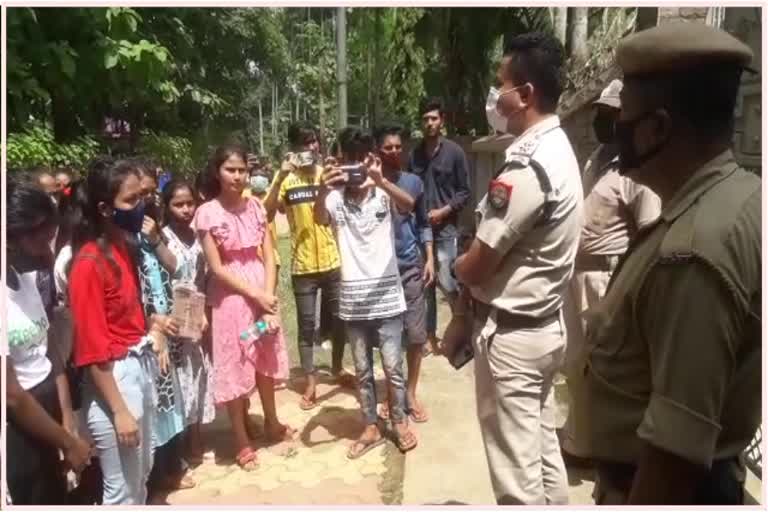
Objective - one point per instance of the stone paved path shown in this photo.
(448, 466)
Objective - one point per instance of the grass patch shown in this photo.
(288, 313)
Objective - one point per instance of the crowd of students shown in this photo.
(102, 384)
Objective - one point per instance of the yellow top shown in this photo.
(313, 246)
(272, 229)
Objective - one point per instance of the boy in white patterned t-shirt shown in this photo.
(371, 301)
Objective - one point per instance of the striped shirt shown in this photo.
(370, 280)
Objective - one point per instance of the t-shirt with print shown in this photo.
(28, 332)
(312, 245)
(370, 280)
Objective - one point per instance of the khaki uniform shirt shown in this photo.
(538, 258)
(615, 207)
(676, 347)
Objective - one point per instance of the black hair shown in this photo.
(32, 175)
(300, 132)
(69, 214)
(201, 180)
(67, 171)
(145, 166)
(432, 104)
(27, 209)
(212, 186)
(355, 143)
(170, 189)
(537, 58)
(382, 132)
(705, 96)
(102, 185)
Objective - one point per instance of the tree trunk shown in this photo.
(341, 63)
(65, 127)
(560, 23)
(579, 19)
(261, 129)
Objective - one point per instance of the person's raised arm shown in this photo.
(151, 231)
(273, 199)
(332, 177)
(401, 199)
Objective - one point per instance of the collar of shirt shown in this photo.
(528, 141)
(423, 148)
(711, 173)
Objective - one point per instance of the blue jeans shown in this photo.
(363, 335)
(445, 254)
(125, 470)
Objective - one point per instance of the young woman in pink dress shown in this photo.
(234, 235)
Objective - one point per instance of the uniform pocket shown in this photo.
(600, 211)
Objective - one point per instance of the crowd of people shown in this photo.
(662, 383)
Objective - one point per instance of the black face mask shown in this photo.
(629, 159)
(605, 129)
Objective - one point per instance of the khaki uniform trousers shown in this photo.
(514, 374)
(586, 289)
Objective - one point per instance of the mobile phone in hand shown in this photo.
(355, 174)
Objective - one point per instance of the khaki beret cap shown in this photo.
(678, 46)
(611, 95)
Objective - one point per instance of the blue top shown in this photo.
(413, 229)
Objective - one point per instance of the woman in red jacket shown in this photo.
(111, 342)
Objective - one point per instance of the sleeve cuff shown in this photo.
(496, 235)
(676, 429)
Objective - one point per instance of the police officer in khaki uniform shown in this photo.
(518, 268)
(674, 371)
(615, 208)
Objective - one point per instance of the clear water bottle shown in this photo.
(255, 331)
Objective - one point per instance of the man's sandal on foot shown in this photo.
(353, 454)
(418, 415)
(384, 411)
(308, 403)
(247, 459)
(407, 441)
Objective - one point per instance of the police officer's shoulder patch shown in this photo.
(499, 193)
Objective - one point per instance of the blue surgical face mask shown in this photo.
(259, 184)
(129, 220)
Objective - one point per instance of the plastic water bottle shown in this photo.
(255, 331)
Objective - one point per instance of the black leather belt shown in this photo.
(507, 320)
(596, 262)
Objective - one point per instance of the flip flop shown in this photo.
(307, 404)
(423, 417)
(366, 448)
(247, 459)
(407, 442)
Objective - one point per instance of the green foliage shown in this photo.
(172, 153)
(36, 146)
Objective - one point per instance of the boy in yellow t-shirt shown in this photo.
(315, 264)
